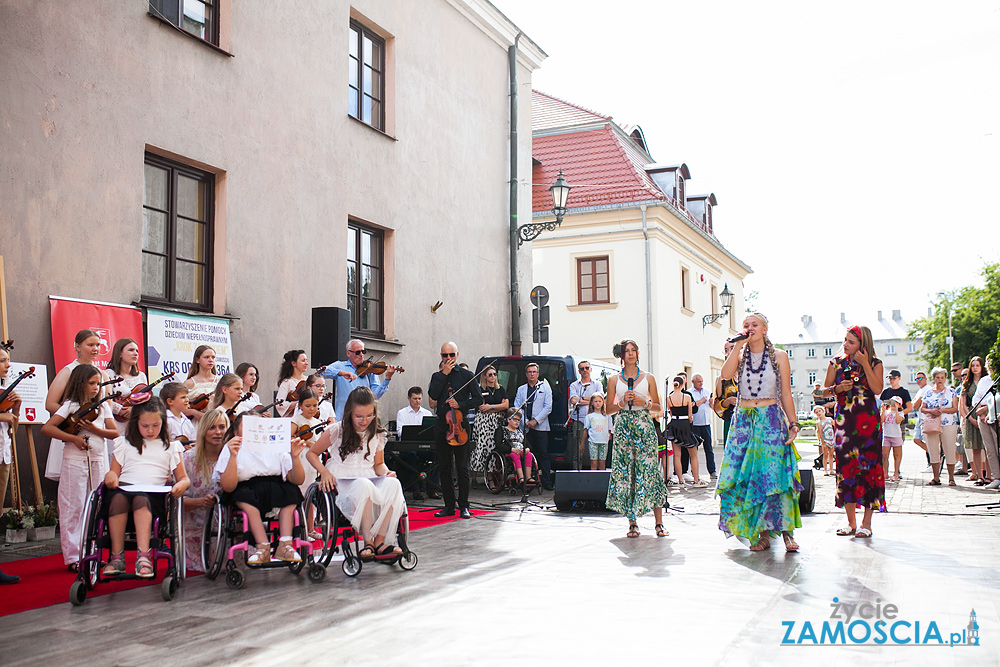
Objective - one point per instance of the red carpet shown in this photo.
(45, 580)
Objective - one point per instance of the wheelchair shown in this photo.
(166, 544)
(338, 535)
(227, 532)
(500, 475)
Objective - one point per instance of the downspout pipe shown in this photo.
(515, 306)
(649, 287)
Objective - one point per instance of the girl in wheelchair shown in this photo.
(145, 456)
(368, 493)
(510, 441)
(257, 482)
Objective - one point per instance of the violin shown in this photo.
(262, 409)
(325, 397)
(231, 412)
(293, 395)
(187, 444)
(116, 380)
(306, 432)
(139, 394)
(369, 367)
(457, 436)
(200, 402)
(6, 403)
(71, 424)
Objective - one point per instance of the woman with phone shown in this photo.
(855, 377)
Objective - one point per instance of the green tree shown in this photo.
(975, 320)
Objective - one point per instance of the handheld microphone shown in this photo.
(736, 339)
(630, 381)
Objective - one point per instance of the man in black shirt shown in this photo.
(453, 387)
(894, 389)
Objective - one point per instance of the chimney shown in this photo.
(897, 315)
(929, 313)
(880, 316)
(806, 320)
(843, 318)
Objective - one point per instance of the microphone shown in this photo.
(630, 381)
(736, 339)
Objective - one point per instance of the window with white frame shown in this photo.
(890, 349)
(812, 377)
(828, 352)
(811, 352)
(911, 348)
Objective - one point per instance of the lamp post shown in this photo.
(726, 299)
(560, 194)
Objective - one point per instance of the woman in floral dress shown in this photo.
(856, 378)
(636, 482)
(200, 460)
(759, 482)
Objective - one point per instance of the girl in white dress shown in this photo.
(144, 456)
(201, 381)
(250, 376)
(368, 493)
(87, 346)
(293, 369)
(124, 363)
(83, 460)
(228, 394)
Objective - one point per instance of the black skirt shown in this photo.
(679, 431)
(264, 493)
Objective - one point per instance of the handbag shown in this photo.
(931, 425)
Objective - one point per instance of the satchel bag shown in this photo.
(931, 424)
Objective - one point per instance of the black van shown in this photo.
(560, 373)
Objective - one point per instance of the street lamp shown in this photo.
(560, 194)
(726, 298)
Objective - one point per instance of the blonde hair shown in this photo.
(226, 381)
(604, 404)
(201, 462)
(771, 355)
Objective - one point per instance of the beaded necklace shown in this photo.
(759, 372)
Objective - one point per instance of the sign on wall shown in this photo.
(32, 391)
(173, 338)
(110, 321)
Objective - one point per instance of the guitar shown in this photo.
(139, 395)
(729, 390)
(6, 403)
(71, 424)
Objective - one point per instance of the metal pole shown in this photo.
(951, 343)
(515, 306)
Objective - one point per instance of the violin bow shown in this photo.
(488, 366)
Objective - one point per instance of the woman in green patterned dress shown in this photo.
(636, 482)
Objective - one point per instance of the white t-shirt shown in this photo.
(155, 465)
(920, 394)
(982, 389)
(97, 447)
(180, 426)
(596, 425)
(254, 464)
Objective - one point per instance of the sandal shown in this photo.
(73, 567)
(115, 566)
(367, 553)
(762, 543)
(315, 535)
(934, 482)
(864, 532)
(261, 554)
(661, 531)
(143, 565)
(790, 544)
(846, 531)
(287, 553)
(387, 550)
(951, 482)
(633, 530)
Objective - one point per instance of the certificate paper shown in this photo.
(265, 434)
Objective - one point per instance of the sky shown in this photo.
(853, 146)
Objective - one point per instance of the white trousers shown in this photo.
(74, 489)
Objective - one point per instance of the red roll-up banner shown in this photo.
(110, 321)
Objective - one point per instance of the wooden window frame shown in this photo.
(366, 32)
(356, 300)
(215, 15)
(579, 283)
(175, 169)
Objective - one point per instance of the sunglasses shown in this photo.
(361, 351)
(446, 355)
(491, 375)
(584, 368)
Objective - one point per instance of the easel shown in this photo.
(15, 486)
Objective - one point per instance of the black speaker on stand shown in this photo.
(807, 499)
(577, 485)
(331, 329)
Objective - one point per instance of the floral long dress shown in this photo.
(637, 485)
(860, 476)
(194, 519)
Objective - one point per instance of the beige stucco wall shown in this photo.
(87, 87)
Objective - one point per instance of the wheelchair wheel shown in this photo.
(408, 560)
(213, 543)
(496, 474)
(88, 541)
(235, 579)
(351, 565)
(536, 474)
(316, 573)
(78, 592)
(296, 567)
(326, 524)
(177, 539)
(168, 589)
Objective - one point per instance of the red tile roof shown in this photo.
(601, 166)
(548, 112)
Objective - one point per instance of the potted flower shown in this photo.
(17, 524)
(45, 516)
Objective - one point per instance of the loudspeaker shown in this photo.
(331, 329)
(807, 499)
(573, 485)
